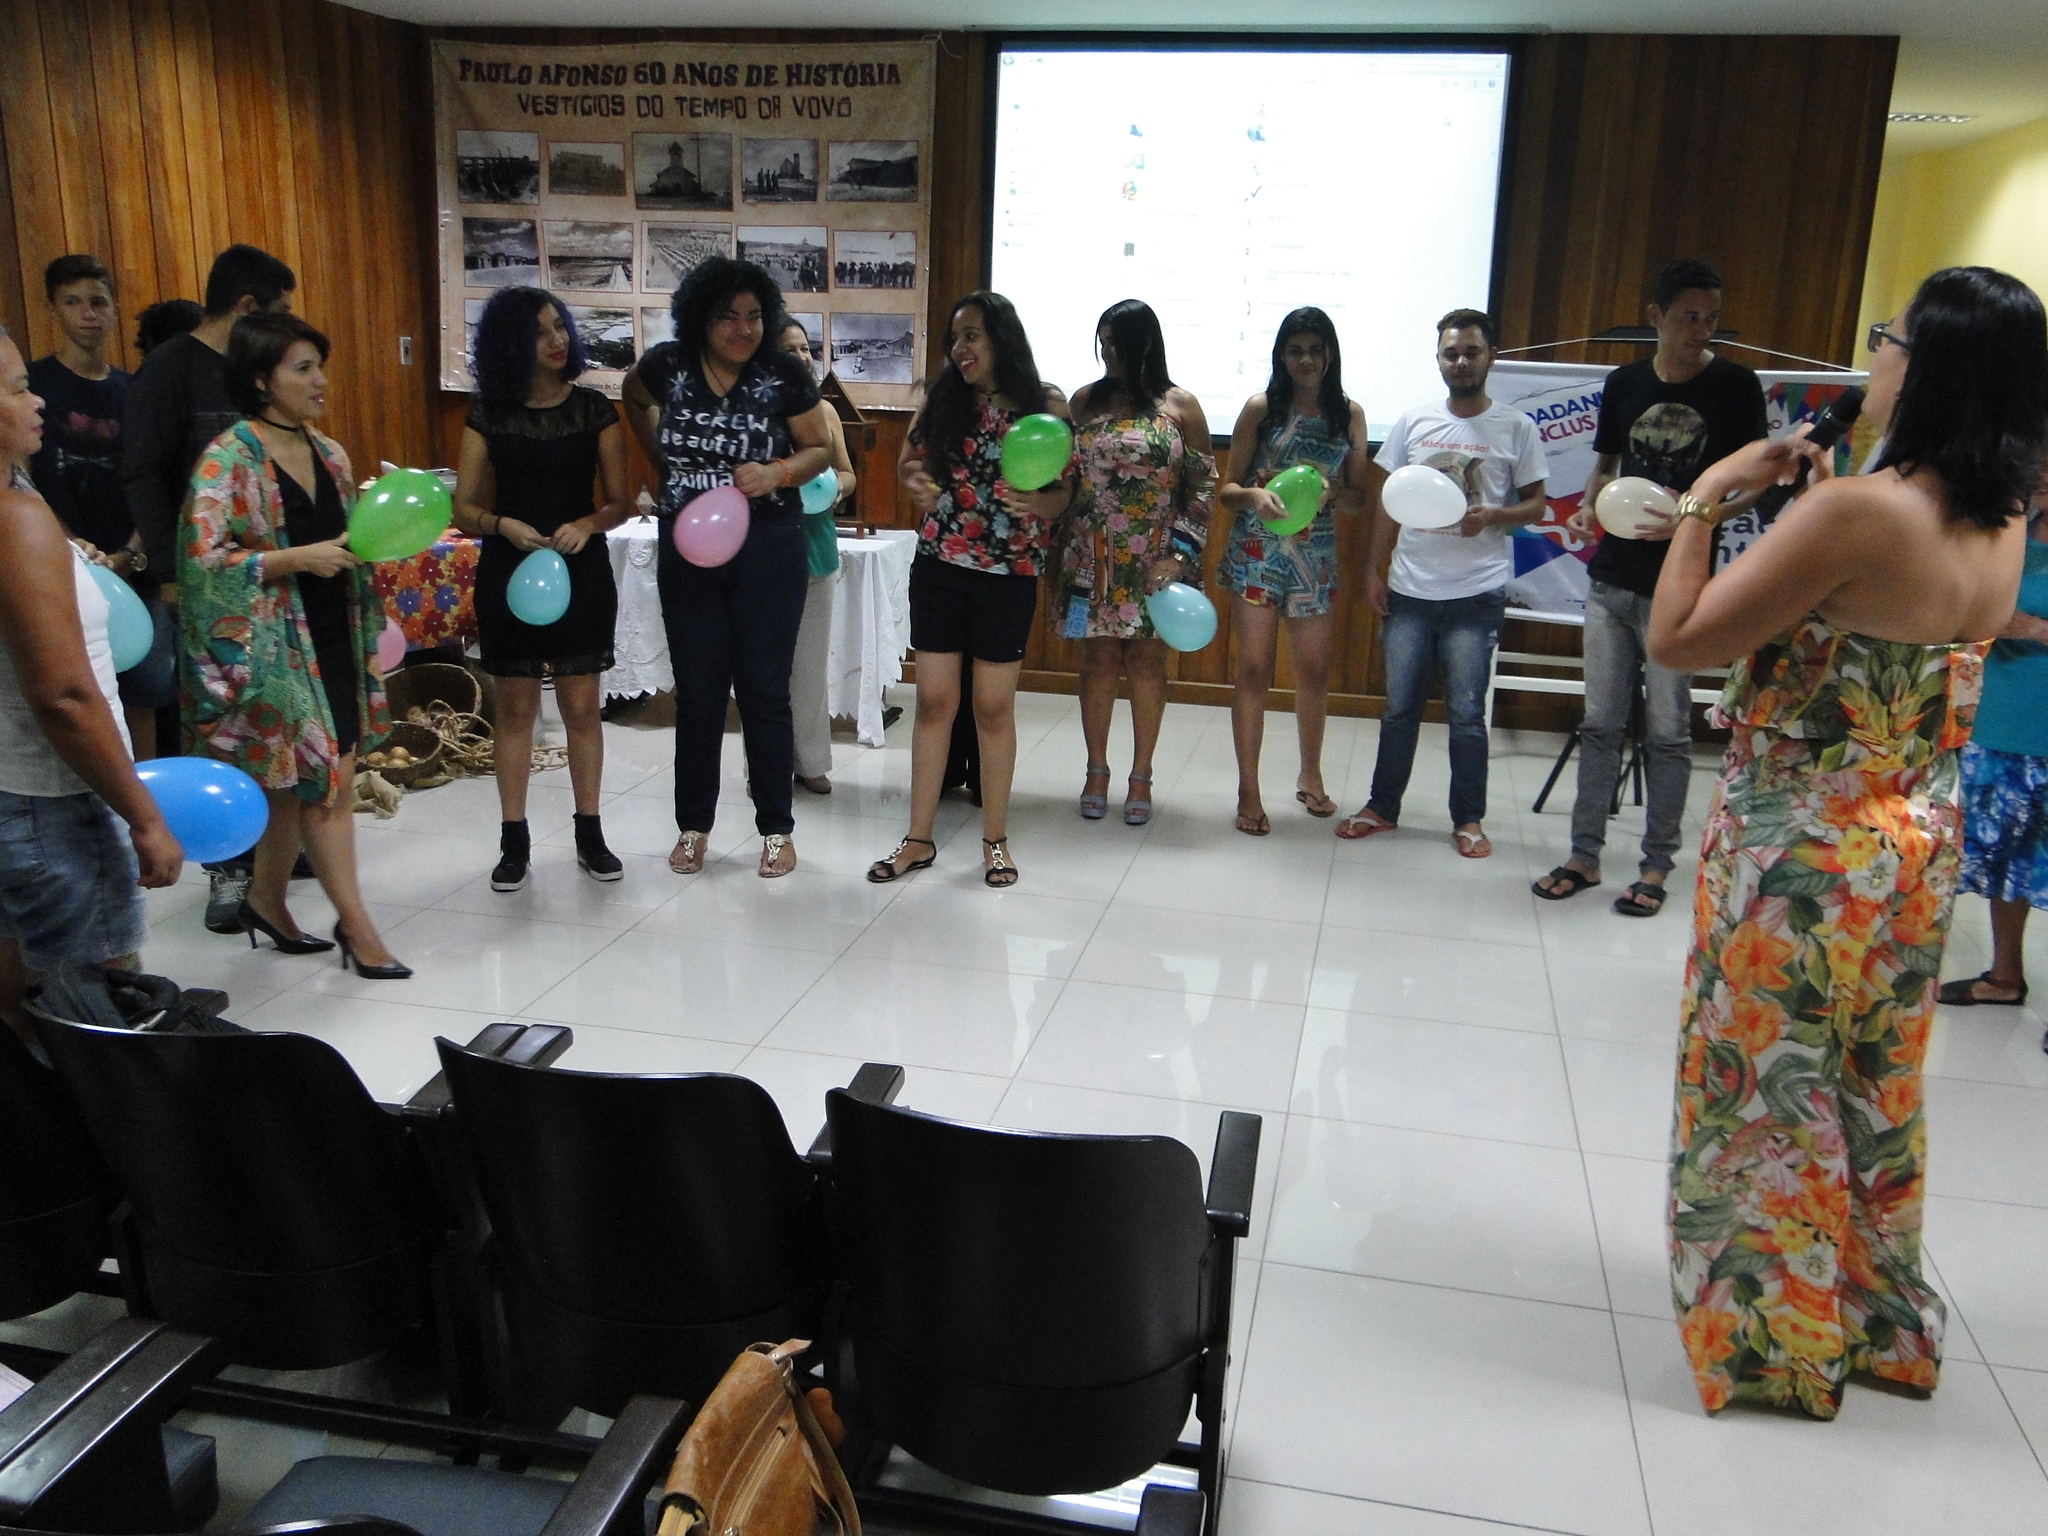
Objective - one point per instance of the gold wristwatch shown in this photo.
(1690, 505)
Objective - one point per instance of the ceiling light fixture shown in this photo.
(1930, 117)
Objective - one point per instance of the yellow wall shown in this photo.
(1981, 204)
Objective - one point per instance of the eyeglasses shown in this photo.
(1879, 336)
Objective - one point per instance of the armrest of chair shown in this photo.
(530, 1045)
(1232, 1169)
(609, 1499)
(1168, 1511)
(877, 1082)
(127, 1378)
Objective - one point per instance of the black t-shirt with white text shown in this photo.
(78, 468)
(705, 436)
(1669, 433)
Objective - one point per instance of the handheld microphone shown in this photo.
(1829, 428)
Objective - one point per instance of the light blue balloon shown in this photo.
(820, 493)
(1183, 617)
(215, 810)
(539, 591)
(130, 630)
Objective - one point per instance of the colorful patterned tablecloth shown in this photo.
(433, 595)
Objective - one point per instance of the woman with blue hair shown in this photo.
(533, 446)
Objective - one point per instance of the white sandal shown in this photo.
(688, 855)
(773, 847)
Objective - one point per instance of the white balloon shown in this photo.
(1633, 506)
(1417, 496)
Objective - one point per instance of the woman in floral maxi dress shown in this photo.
(1831, 853)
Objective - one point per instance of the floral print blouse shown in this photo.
(971, 526)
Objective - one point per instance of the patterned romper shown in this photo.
(1827, 874)
(1296, 574)
(1143, 494)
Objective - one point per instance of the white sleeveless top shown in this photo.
(29, 765)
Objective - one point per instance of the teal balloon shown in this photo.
(130, 630)
(1035, 452)
(819, 494)
(213, 809)
(1182, 616)
(1301, 489)
(539, 590)
(399, 516)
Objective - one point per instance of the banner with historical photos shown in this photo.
(607, 173)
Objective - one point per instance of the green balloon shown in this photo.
(1035, 452)
(399, 516)
(1301, 488)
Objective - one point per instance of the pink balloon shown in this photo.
(711, 529)
(390, 646)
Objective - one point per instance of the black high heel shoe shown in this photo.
(253, 923)
(397, 970)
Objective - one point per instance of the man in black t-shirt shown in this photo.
(1664, 419)
(177, 404)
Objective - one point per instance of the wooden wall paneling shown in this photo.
(202, 181)
(81, 178)
(38, 205)
(180, 272)
(13, 308)
(117, 101)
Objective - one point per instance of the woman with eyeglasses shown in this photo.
(1302, 417)
(1856, 627)
(717, 407)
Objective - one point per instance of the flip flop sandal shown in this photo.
(1472, 845)
(1567, 883)
(773, 847)
(688, 855)
(882, 871)
(1631, 903)
(1963, 994)
(1137, 812)
(1318, 805)
(1366, 823)
(1254, 826)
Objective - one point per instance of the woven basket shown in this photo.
(424, 745)
(411, 688)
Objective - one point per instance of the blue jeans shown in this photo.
(1617, 653)
(1458, 636)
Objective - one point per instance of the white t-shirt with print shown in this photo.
(1490, 454)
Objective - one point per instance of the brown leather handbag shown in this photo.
(758, 1458)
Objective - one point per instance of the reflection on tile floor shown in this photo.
(1453, 1312)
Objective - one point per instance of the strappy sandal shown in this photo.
(1094, 807)
(1001, 873)
(687, 858)
(775, 848)
(1565, 883)
(882, 871)
(1137, 812)
(1641, 900)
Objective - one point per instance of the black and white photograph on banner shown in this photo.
(586, 170)
(500, 253)
(589, 253)
(814, 333)
(872, 171)
(681, 171)
(493, 167)
(673, 252)
(472, 316)
(657, 324)
(873, 349)
(779, 171)
(607, 336)
(874, 258)
(792, 254)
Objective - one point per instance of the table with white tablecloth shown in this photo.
(870, 622)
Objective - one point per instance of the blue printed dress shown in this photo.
(1298, 573)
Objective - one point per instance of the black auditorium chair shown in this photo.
(645, 1229)
(54, 1190)
(1034, 1313)
(77, 1454)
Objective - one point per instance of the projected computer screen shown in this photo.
(1227, 188)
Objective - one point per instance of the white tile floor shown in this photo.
(1453, 1308)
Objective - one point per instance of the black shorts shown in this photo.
(983, 614)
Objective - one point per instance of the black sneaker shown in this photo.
(224, 903)
(596, 860)
(515, 851)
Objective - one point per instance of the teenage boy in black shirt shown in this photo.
(1663, 419)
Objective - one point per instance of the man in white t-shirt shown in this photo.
(1442, 600)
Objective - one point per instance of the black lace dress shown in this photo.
(545, 463)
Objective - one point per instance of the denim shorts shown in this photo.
(67, 880)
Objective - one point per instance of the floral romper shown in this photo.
(1143, 494)
(1827, 873)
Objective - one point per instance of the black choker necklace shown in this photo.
(282, 427)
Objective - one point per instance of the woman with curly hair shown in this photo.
(280, 624)
(534, 444)
(1828, 869)
(718, 407)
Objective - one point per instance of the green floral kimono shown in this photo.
(253, 695)
(1799, 1150)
